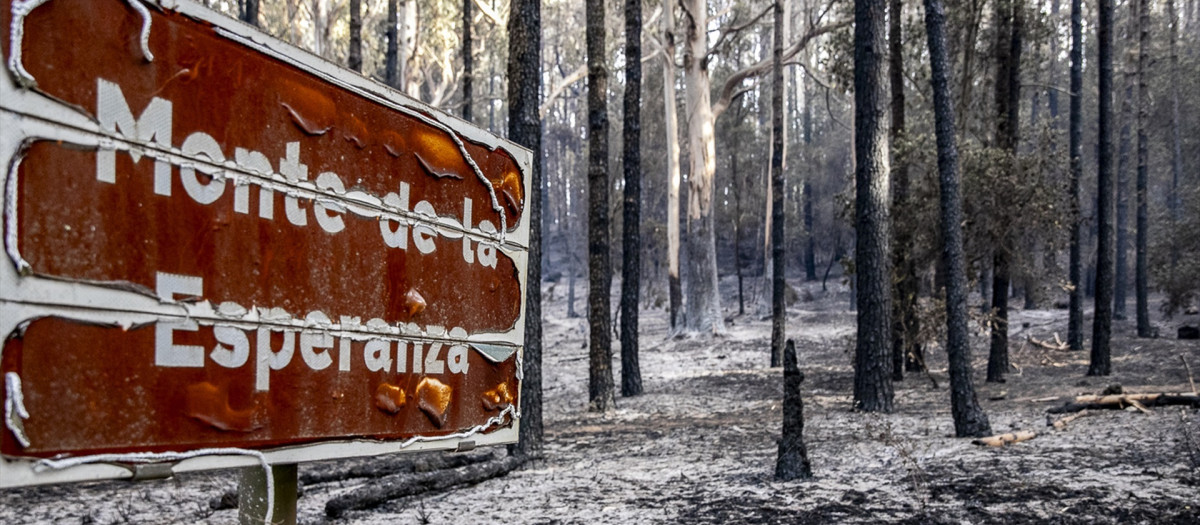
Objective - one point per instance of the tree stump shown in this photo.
(793, 455)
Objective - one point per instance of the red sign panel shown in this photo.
(215, 240)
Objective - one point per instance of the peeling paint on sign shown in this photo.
(272, 257)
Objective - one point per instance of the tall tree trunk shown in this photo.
(703, 297)
(906, 350)
(969, 418)
(1101, 357)
(737, 225)
(810, 243)
(1074, 147)
(1009, 20)
(1121, 279)
(250, 12)
(408, 39)
(778, 305)
(468, 59)
(525, 128)
(354, 60)
(872, 363)
(631, 375)
(391, 59)
(673, 179)
(1143, 158)
(1176, 141)
(600, 377)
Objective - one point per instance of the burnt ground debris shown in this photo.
(699, 446)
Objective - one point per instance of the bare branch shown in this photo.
(734, 82)
(497, 18)
(738, 28)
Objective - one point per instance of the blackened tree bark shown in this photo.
(792, 460)
(391, 59)
(1074, 146)
(525, 128)
(250, 12)
(872, 362)
(600, 377)
(1176, 140)
(778, 307)
(1142, 286)
(906, 350)
(631, 375)
(1121, 277)
(354, 60)
(468, 59)
(810, 243)
(1101, 357)
(1009, 20)
(969, 418)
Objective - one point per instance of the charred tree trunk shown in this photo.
(674, 288)
(250, 12)
(810, 244)
(631, 375)
(1074, 140)
(525, 128)
(600, 377)
(737, 226)
(468, 60)
(906, 350)
(778, 306)
(792, 460)
(354, 60)
(392, 54)
(969, 418)
(1121, 279)
(899, 188)
(1008, 96)
(1176, 141)
(872, 370)
(1101, 357)
(1143, 158)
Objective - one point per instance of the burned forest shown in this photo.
(648, 261)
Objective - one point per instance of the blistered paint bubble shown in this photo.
(390, 398)
(497, 398)
(433, 398)
(210, 404)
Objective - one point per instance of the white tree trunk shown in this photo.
(703, 299)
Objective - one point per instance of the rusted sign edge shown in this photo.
(28, 297)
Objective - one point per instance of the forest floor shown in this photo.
(699, 446)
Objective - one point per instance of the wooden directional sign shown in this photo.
(221, 250)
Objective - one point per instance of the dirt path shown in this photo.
(699, 446)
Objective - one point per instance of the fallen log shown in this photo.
(385, 466)
(1060, 346)
(1061, 423)
(1120, 401)
(1000, 440)
(406, 485)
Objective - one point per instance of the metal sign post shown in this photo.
(221, 251)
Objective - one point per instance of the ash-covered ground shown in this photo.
(699, 446)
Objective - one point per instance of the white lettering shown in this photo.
(200, 143)
(112, 110)
(329, 222)
(309, 342)
(378, 355)
(169, 354)
(267, 359)
(291, 168)
(236, 352)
